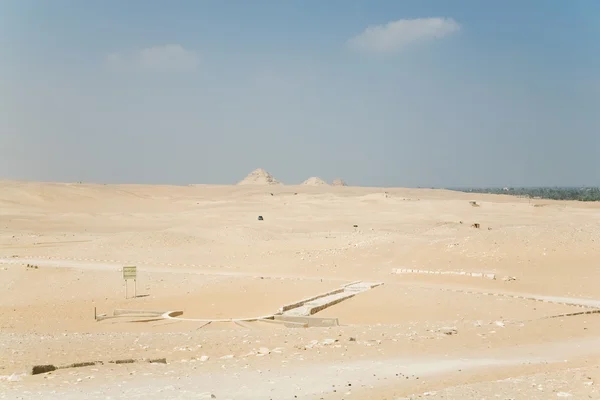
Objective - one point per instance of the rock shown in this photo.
(204, 358)
(13, 378)
(126, 361)
(328, 342)
(42, 369)
(264, 351)
(227, 357)
(448, 331)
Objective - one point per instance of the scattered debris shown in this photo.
(11, 378)
(126, 361)
(81, 364)
(42, 369)
(487, 275)
(448, 330)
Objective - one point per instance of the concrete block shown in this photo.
(137, 312)
(309, 321)
(302, 302)
(295, 325)
(287, 324)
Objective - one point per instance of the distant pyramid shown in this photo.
(338, 182)
(314, 181)
(259, 177)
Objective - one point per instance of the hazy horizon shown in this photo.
(379, 93)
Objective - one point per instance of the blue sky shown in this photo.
(380, 93)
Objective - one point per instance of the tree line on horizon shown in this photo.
(551, 193)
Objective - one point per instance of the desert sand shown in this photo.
(438, 326)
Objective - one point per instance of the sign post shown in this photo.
(130, 273)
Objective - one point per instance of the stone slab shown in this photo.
(311, 322)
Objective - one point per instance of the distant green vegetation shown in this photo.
(552, 193)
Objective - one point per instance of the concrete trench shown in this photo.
(298, 314)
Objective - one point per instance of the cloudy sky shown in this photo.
(381, 93)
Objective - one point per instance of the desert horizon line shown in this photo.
(453, 187)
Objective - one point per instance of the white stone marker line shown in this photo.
(486, 275)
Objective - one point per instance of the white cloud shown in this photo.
(170, 57)
(396, 35)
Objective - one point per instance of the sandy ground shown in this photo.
(202, 250)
